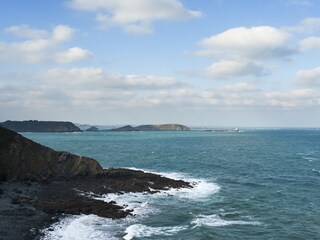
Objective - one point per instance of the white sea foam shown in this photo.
(315, 170)
(215, 221)
(201, 188)
(142, 204)
(138, 202)
(140, 230)
(311, 159)
(82, 227)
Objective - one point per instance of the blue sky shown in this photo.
(212, 62)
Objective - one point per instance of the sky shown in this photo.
(217, 63)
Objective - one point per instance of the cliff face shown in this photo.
(21, 158)
(162, 127)
(40, 126)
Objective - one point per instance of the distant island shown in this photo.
(92, 129)
(40, 126)
(162, 127)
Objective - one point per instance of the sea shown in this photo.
(252, 184)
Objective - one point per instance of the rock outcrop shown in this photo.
(38, 184)
(40, 126)
(21, 158)
(162, 127)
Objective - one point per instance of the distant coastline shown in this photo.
(162, 127)
(61, 126)
(40, 126)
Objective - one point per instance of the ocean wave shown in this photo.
(143, 205)
(81, 228)
(311, 159)
(139, 203)
(315, 170)
(201, 188)
(215, 221)
(140, 230)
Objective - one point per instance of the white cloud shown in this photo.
(241, 87)
(232, 68)
(73, 92)
(96, 78)
(135, 16)
(298, 98)
(241, 94)
(261, 42)
(80, 88)
(310, 43)
(307, 26)
(309, 77)
(72, 55)
(63, 33)
(27, 31)
(245, 51)
(41, 46)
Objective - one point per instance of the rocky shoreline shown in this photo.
(51, 184)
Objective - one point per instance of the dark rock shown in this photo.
(61, 184)
(20, 220)
(23, 159)
(40, 126)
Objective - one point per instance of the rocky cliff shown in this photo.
(37, 184)
(40, 126)
(21, 158)
(162, 127)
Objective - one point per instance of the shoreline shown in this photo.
(33, 206)
(39, 184)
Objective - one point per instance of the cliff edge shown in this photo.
(21, 158)
(38, 184)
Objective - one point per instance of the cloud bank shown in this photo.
(134, 16)
(41, 46)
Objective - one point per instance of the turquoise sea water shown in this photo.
(256, 184)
